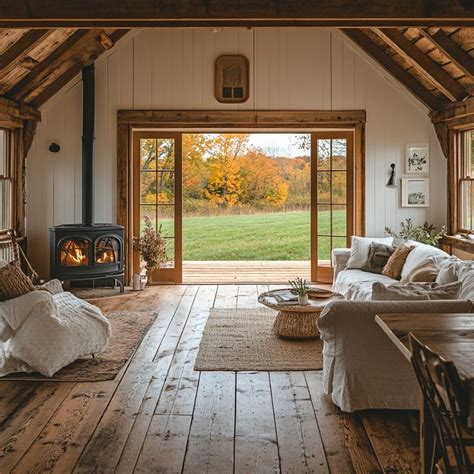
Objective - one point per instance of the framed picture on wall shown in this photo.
(417, 158)
(415, 192)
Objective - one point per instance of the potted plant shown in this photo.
(426, 233)
(152, 248)
(300, 287)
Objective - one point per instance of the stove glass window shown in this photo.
(107, 250)
(74, 252)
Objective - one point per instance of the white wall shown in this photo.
(293, 68)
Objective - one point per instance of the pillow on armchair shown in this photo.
(13, 282)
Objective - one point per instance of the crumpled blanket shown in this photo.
(43, 333)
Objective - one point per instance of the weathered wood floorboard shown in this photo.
(159, 415)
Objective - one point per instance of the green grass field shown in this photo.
(272, 236)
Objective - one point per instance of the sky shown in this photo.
(277, 144)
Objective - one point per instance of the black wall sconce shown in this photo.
(392, 181)
(54, 148)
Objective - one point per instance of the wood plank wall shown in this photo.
(291, 69)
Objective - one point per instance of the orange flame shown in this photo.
(73, 253)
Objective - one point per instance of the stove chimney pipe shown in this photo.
(88, 111)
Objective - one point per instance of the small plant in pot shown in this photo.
(152, 248)
(300, 287)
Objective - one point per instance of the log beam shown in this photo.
(126, 14)
(451, 50)
(432, 71)
(393, 68)
(13, 114)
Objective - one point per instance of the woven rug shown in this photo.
(128, 330)
(243, 340)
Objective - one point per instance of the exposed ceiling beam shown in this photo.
(432, 71)
(379, 55)
(88, 52)
(17, 52)
(13, 114)
(342, 13)
(31, 80)
(452, 50)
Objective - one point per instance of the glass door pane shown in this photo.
(331, 198)
(158, 193)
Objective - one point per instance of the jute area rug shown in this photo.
(243, 340)
(128, 330)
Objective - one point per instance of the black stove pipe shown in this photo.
(88, 111)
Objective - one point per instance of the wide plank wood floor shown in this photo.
(159, 415)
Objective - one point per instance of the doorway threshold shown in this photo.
(230, 271)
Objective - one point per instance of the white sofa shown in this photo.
(362, 367)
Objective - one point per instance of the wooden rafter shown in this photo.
(414, 86)
(126, 14)
(91, 52)
(432, 71)
(13, 114)
(451, 50)
(28, 83)
(17, 52)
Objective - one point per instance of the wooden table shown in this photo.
(449, 334)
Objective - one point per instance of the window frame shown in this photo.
(461, 176)
(9, 174)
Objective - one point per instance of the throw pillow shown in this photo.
(13, 282)
(377, 257)
(425, 272)
(360, 249)
(421, 253)
(414, 291)
(448, 271)
(395, 263)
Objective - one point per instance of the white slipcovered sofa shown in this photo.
(43, 331)
(362, 367)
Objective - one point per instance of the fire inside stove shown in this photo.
(107, 250)
(74, 253)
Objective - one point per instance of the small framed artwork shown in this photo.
(417, 158)
(415, 192)
(232, 79)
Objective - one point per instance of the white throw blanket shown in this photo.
(43, 332)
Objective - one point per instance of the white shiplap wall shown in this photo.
(293, 69)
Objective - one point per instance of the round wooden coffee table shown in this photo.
(295, 321)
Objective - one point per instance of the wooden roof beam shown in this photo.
(451, 50)
(90, 53)
(12, 114)
(432, 71)
(17, 51)
(339, 13)
(392, 67)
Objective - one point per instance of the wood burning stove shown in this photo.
(88, 251)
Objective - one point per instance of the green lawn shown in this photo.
(272, 236)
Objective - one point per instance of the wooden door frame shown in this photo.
(323, 273)
(184, 120)
(164, 275)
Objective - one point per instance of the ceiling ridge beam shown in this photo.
(393, 68)
(15, 53)
(92, 50)
(451, 50)
(426, 66)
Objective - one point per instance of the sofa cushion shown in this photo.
(395, 263)
(377, 257)
(466, 278)
(419, 254)
(360, 249)
(426, 272)
(448, 271)
(415, 291)
(357, 284)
